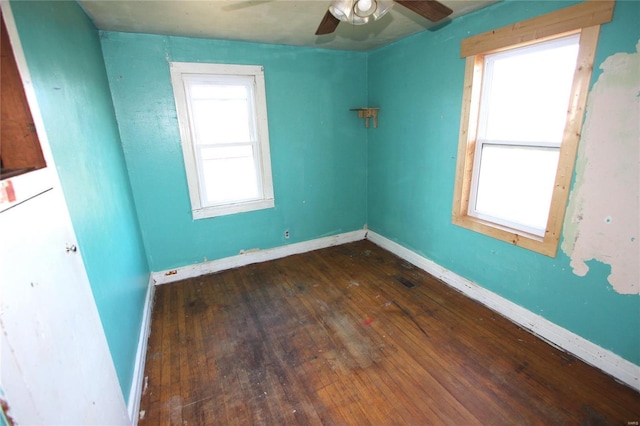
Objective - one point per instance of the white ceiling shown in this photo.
(290, 22)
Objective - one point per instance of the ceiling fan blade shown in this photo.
(430, 9)
(328, 24)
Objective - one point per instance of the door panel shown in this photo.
(56, 366)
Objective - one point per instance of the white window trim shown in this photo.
(200, 211)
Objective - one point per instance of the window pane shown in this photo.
(218, 91)
(221, 113)
(516, 183)
(526, 92)
(229, 174)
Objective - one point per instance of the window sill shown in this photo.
(546, 245)
(227, 209)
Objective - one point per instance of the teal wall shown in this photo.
(318, 147)
(411, 170)
(63, 53)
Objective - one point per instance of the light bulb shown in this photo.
(365, 8)
(363, 5)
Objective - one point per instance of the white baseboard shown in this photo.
(256, 256)
(137, 385)
(601, 358)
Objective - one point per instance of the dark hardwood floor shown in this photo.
(352, 335)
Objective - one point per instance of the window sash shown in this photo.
(503, 219)
(199, 145)
(519, 111)
(204, 190)
(506, 215)
(192, 83)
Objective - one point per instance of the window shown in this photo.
(518, 143)
(222, 115)
(524, 96)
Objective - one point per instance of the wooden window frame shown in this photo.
(584, 19)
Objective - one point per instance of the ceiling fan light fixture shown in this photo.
(344, 11)
(358, 12)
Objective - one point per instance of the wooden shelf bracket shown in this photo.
(368, 113)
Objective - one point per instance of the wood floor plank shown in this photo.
(456, 384)
(444, 299)
(354, 335)
(444, 405)
(415, 334)
(314, 351)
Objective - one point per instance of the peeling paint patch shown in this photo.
(253, 250)
(602, 220)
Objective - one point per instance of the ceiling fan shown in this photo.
(359, 12)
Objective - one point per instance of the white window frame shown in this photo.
(583, 19)
(481, 141)
(181, 74)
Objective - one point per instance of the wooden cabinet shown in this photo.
(20, 150)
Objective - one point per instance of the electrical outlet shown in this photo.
(286, 234)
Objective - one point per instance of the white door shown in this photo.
(55, 365)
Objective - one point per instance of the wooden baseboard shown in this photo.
(256, 256)
(137, 385)
(603, 359)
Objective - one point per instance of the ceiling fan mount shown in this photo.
(359, 12)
